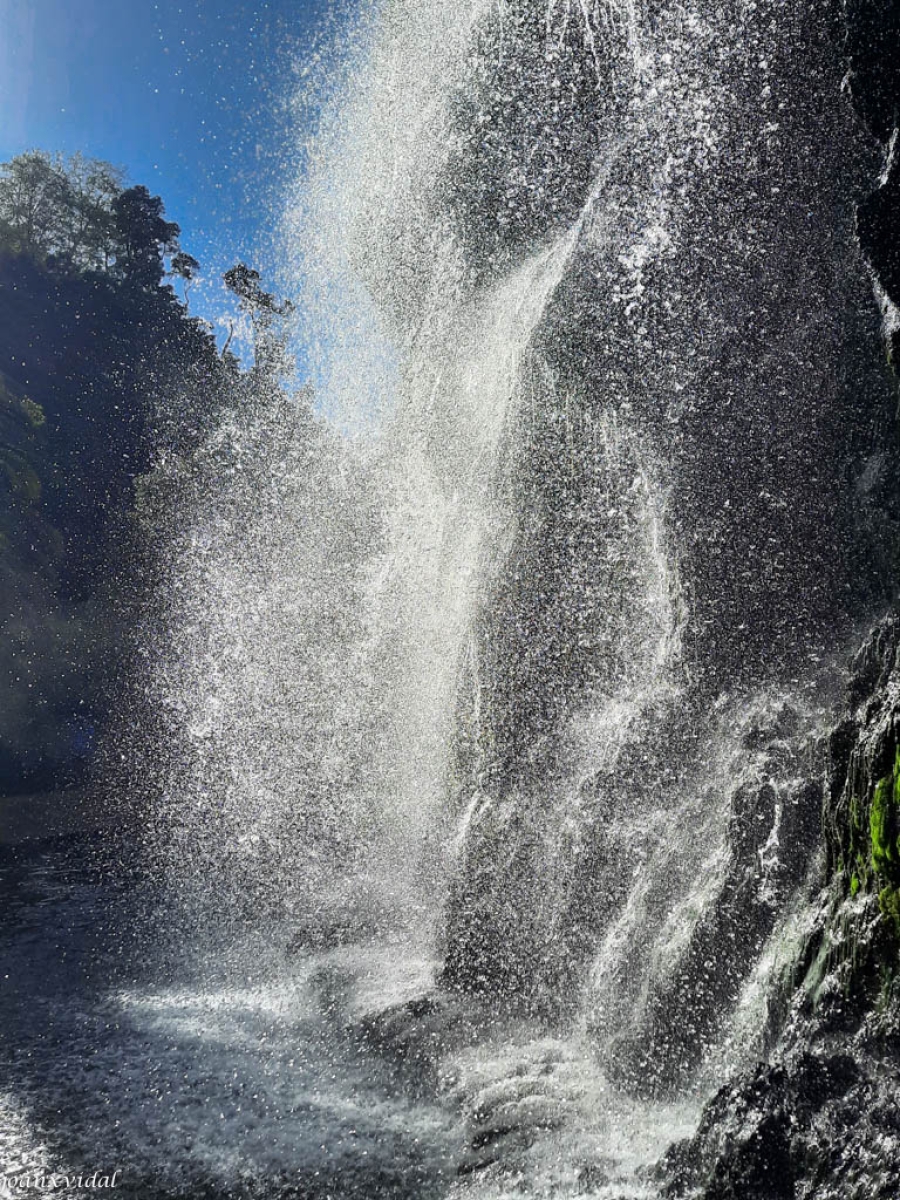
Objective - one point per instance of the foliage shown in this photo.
(103, 372)
(186, 268)
(33, 412)
(76, 213)
(143, 236)
(267, 319)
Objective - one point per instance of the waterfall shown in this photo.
(459, 393)
(515, 644)
(579, 249)
(437, 357)
(503, 243)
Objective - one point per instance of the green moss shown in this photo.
(883, 859)
(889, 903)
(33, 412)
(884, 827)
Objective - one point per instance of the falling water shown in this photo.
(493, 675)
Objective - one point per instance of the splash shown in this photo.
(513, 646)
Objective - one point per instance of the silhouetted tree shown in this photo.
(35, 202)
(244, 281)
(143, 236)
(186, 267)
(93, 186)
(267, 314)
(76, 213)
(102, 370)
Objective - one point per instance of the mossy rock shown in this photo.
(884, 825)
(34, 412)
(889, 904)
(873, 864)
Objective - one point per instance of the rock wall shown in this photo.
(703, 474)
(819, 1118)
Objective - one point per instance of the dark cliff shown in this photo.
(85, 363)
(705, 482)
(818, 1117)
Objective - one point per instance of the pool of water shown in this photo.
(265, 1071)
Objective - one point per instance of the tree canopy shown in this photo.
(78, 212)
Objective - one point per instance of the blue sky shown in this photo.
(188, 96)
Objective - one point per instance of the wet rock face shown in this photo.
(820, 1126)
(878, 224)
(820, 1120)
(693, 417)
(525, 920)
(863, 814)
(773, 832)
(873, 47)
(745, 386)
(805, 1128)
(527, 127)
